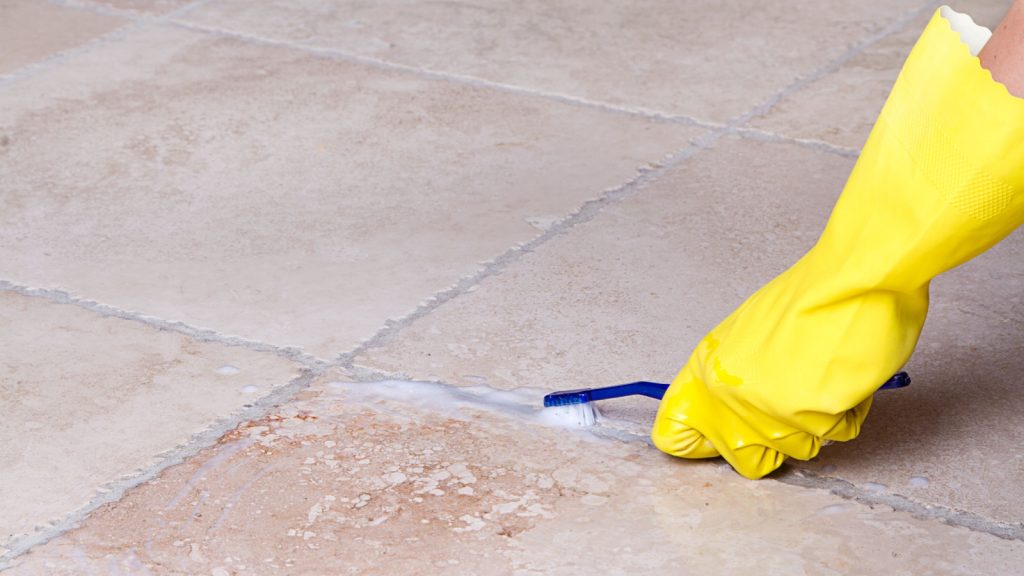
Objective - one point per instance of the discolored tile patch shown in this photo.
(346, 481)
(33, 31)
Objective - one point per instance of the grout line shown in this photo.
(775, 138)
(585, 213)
(852, 52)
(114, 491)
(200, 334)
(103, 10)
(58, 58)
(653, 115)
(134, 23)
(792, 476)
(426, 73)
(946, 515)
(592, 207)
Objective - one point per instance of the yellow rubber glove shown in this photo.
(938, 182)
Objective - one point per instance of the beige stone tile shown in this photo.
(88, 399)
(953, 437)
(710, 60)
(627, 295)
(372, 479)
(281, 197)
(32, 31)
(841, 107)
(138, 6)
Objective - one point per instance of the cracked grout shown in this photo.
(112, 492)
(199, 334)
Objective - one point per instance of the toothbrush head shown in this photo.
(569, 414)
(567, 397)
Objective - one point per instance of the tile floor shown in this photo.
(283, 284)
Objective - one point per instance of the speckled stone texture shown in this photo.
(282, 286)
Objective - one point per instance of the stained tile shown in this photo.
(87, 400)
(282, 197)
(710, 60)
(369, 479)
(626, 296)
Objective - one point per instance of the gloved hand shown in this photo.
(938, 182)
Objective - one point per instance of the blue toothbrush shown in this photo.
(584, 414)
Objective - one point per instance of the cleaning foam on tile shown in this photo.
(918, 482)
(522, 403)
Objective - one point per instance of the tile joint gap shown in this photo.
(133, 22)
(950, 516)
(584, 213)
(432, 74)
(589, 209)
(199, 334)
(115, 490)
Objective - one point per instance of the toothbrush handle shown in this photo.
(656, 390)
(642, 388)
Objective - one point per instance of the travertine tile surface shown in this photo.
(151, 7)
(627, 296)
(302, 173)
(32, 31)
(952, 438)
(87, 400)
(349, 480)
(283, 197)
(711, 60)
(841, 107)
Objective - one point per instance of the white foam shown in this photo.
(918, 482)
(875, 487)
(250, 389)
(227, 370)
(523, 403)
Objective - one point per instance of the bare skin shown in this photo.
(1003, 55)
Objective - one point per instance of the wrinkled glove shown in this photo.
(938, 182)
